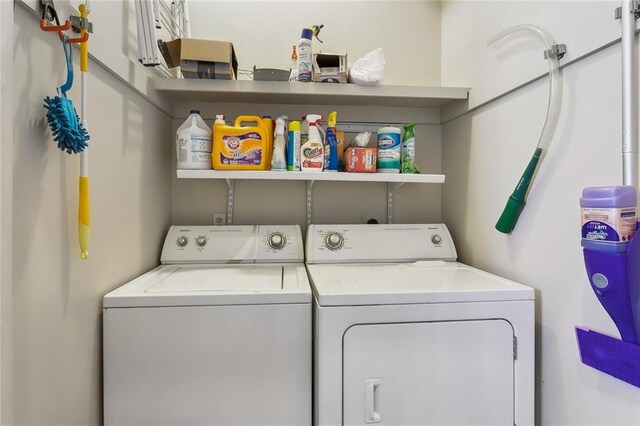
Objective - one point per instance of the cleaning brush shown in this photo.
(67, 129)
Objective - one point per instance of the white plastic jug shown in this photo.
(193, 143)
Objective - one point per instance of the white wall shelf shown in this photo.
(280, 92)
(310, 176)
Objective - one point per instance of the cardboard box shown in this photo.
(360, 160)
(340, 137)
(329, 68)
(202, 58)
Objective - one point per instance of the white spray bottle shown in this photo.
(312, 152)
(279, 159)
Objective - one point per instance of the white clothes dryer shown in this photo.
(220, 333)
(405, 335)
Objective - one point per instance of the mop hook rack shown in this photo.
(77, 23)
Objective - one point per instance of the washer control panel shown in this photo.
(233, 244)
(378, 243)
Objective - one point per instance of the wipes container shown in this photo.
(241, 147)
(389, 150)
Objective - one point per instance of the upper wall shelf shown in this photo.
(276, 92)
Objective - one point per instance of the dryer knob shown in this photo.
(333, 241)
(182, 241)
(201, 241)
(436, 239)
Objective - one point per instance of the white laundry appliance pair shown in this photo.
(403, 334)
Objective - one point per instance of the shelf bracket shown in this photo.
(230, 185)
(391, 187)
(309, 201)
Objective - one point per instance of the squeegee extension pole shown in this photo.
(629, 89)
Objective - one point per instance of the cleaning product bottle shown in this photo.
(608, 228)
(293, 147)
(408, 163)
(312, 152)
(267, 122)
(305, 55)
(193, 143)
(388, 150)
(279, 159)
(331, 145)
(293, 76)
(243, 146)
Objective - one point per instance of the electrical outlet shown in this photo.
(219, 219)
(371, 218)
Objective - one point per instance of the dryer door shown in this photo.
(431, 373)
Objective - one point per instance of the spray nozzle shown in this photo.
(315, 29)
(313, 119)
(333, 117)
(280, 123)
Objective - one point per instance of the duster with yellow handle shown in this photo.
(84, 212)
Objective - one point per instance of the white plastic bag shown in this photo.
(368, 70)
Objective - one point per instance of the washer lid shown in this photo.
(202, 285)
(408, 283)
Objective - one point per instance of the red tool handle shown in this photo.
(82, 39)
(58, 28)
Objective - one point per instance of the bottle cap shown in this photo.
(194, 111)
(307, 33)
(294, 126)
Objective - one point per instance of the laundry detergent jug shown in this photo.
(241, 147)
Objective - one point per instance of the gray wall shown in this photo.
(57, 297)
(484, 154)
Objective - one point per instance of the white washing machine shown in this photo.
(405, 335)
(219, 334)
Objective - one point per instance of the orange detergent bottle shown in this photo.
(242, 147)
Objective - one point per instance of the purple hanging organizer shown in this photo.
(615, 278)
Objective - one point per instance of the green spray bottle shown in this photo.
(408, 162)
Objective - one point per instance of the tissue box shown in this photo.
(329, 68)
(361, 160)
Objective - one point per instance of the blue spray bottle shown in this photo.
(331, 145)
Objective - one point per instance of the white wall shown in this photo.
(352, 26)
(484, 154)
(262, 32)
(57, 297)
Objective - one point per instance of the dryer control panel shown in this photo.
(378, 243)
(233, 244)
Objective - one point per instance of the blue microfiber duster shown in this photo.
(66, 128)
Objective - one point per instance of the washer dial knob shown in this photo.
(333, 241)
(201, 241)
(277, 241)
(182, 241)
(436, 239)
